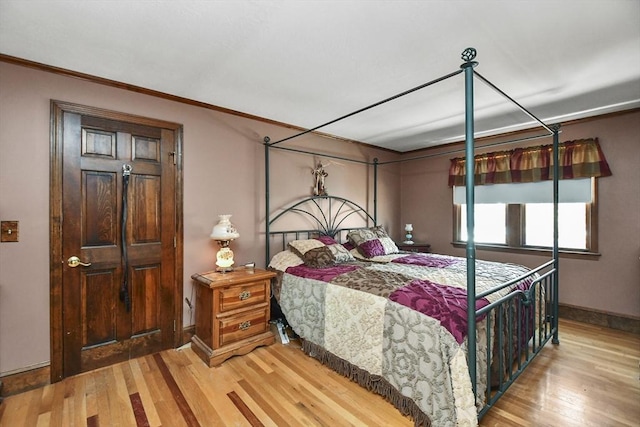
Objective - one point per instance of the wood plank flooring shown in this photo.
(591, 379)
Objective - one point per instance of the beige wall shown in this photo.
(223, 173)
(609, 283)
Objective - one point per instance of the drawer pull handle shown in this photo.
(244, 295)
(245, 325)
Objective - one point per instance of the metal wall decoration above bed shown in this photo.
(401, 323)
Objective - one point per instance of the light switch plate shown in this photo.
(8, 231)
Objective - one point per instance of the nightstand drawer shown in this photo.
(237, 327)
(244, 295)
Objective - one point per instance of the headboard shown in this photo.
(316, 216)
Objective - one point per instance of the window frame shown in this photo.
(516, 235)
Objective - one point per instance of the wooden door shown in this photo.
(98, 325)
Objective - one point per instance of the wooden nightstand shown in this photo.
(232, 313)
(416, 247)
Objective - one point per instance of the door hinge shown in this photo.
(175, 242)
(174, 325)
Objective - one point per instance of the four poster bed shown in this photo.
(399, 323)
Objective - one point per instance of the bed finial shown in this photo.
(266, 139)
(468, 55)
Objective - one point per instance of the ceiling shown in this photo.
(306, 63)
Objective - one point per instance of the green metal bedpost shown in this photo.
(375, 191)
(266, 199)
(556, 255)
(468, 55)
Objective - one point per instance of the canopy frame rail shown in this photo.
(376, 104)
(550, 280)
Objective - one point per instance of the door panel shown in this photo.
(98, 328)
(98, 209)
(145, 214)
(146, 299)
(98, 314)
(146, 149)
(98, 143)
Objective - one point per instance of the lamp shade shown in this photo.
(224, 230)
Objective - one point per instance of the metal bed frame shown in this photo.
(536, 309)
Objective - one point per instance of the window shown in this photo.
(521, 215)
(490, 223)
(572, 225)
(513, 195)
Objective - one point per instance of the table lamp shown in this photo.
(408, 234)
(224, 232)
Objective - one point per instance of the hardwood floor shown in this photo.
(590, 379)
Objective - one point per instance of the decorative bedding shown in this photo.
(395, 323)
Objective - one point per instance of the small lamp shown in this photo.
(224, 232)
(408, 228)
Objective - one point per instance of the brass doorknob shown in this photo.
(74, 261)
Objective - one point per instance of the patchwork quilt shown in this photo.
(400, 318)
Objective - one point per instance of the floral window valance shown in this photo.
(582, 158)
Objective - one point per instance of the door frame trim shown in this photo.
(58, 108)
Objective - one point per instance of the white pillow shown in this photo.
(285, 259)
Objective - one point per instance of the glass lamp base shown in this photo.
(408, 236)
(224, 258)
